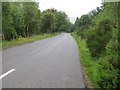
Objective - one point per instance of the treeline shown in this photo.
(99, 28)
(24, 19)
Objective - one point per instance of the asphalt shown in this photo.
(48, 63)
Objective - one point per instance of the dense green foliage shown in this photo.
(24, 19)
(99, 29)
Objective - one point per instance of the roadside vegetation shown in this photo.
(96, 34)
(24, 22)
(89, 65)
(22, 40)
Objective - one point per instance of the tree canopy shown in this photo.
(24, 19)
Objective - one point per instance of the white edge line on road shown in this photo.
(5, 74)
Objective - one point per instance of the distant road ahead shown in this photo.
(48, 63)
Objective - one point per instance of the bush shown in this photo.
(108, 76)
(98, 38)
(101, 71)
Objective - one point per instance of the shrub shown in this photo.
(108, 76)
(98, 38)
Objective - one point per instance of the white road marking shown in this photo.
(5, 74)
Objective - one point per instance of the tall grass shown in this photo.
(21, 40)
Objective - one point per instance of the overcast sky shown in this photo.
(73, 8)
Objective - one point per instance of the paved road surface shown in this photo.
(48, 63)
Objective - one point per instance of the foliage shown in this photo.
(53, 21)
(102, 73)
(24, 19)
(47, 22)
(101, 38)
(108, 76)
(102, 34)
(90, 66)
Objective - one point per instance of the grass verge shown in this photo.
(21, 40)
(89, 66)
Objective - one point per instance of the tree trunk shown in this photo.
(3, 36)
(27, 33)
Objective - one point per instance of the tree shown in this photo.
(18, 18)
(31, 14)
(62, 21)
(54, 21)
(24, 19)
(47, 20)
(8, 30)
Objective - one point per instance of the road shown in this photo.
(48, 63)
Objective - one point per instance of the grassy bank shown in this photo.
(90, 66)
(21, 40)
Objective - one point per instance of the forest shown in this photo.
(97, 36)
(24, 19)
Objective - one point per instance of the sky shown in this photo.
(73, 8)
